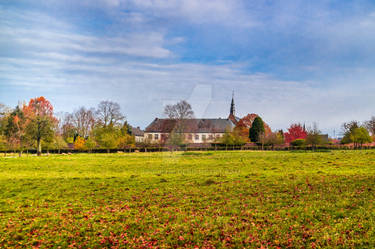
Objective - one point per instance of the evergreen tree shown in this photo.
(256, 130)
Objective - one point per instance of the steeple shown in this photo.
(232, 109)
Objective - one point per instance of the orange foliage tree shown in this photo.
(79, 144)
(40, 121)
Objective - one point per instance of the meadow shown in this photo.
(194, 199)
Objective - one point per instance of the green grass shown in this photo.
(207, 200)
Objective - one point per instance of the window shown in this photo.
(149, 136)
(203, 137)
(156, 136)
(196, 137)
(210, 137)
(190, 136)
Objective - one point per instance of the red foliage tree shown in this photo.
(295, 131)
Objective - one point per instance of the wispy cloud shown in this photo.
(290, 61)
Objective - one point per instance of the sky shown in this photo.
(288, 61)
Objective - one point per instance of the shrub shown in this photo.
(298, 142)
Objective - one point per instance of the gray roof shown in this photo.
(136, 131)
(203, 125)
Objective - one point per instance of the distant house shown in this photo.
(138, 134)
(194, 130)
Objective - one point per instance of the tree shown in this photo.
(4, 113)
(361, 136)
(126, 141)
(244, 124)
(59, 143)
(295, 131)
(175, 139)
(348, 131)
(83, 121)
(356, 135)
(67, 128)
(15, 129)
(90, 144)
(107, 137)
(179, 111)
(272, 139)
(370, 125)
(227, 138)
(109, 113)
(40, 121)
(256, 130)
(314, 136)
(79, 144)
(126, 129)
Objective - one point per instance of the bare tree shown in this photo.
(370, 125)
(108, 113)
(84, 120)
(66, 126)
(350, 126)
(314, 137)
(4, 110)
(181, 110)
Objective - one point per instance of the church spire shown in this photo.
(232, 109)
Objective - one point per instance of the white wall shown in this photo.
(196, 137)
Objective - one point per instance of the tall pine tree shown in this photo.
(256, 130)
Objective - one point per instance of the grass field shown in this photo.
(194, 199)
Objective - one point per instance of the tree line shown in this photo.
(35, 126)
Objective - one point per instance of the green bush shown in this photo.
(298, 142)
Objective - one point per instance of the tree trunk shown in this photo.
(39, 147)
(20, 153)
(107, 150)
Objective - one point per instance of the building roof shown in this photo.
(204, 125)
(136, 131)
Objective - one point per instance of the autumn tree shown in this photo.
(79, 144)
(40, 121)
(295, 131)
(244, 124)
(256, 130)
(109, 113)
(15, 129)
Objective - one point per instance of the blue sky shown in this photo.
(288, 61)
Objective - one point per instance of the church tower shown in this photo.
(232, 108)
(232, 114)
